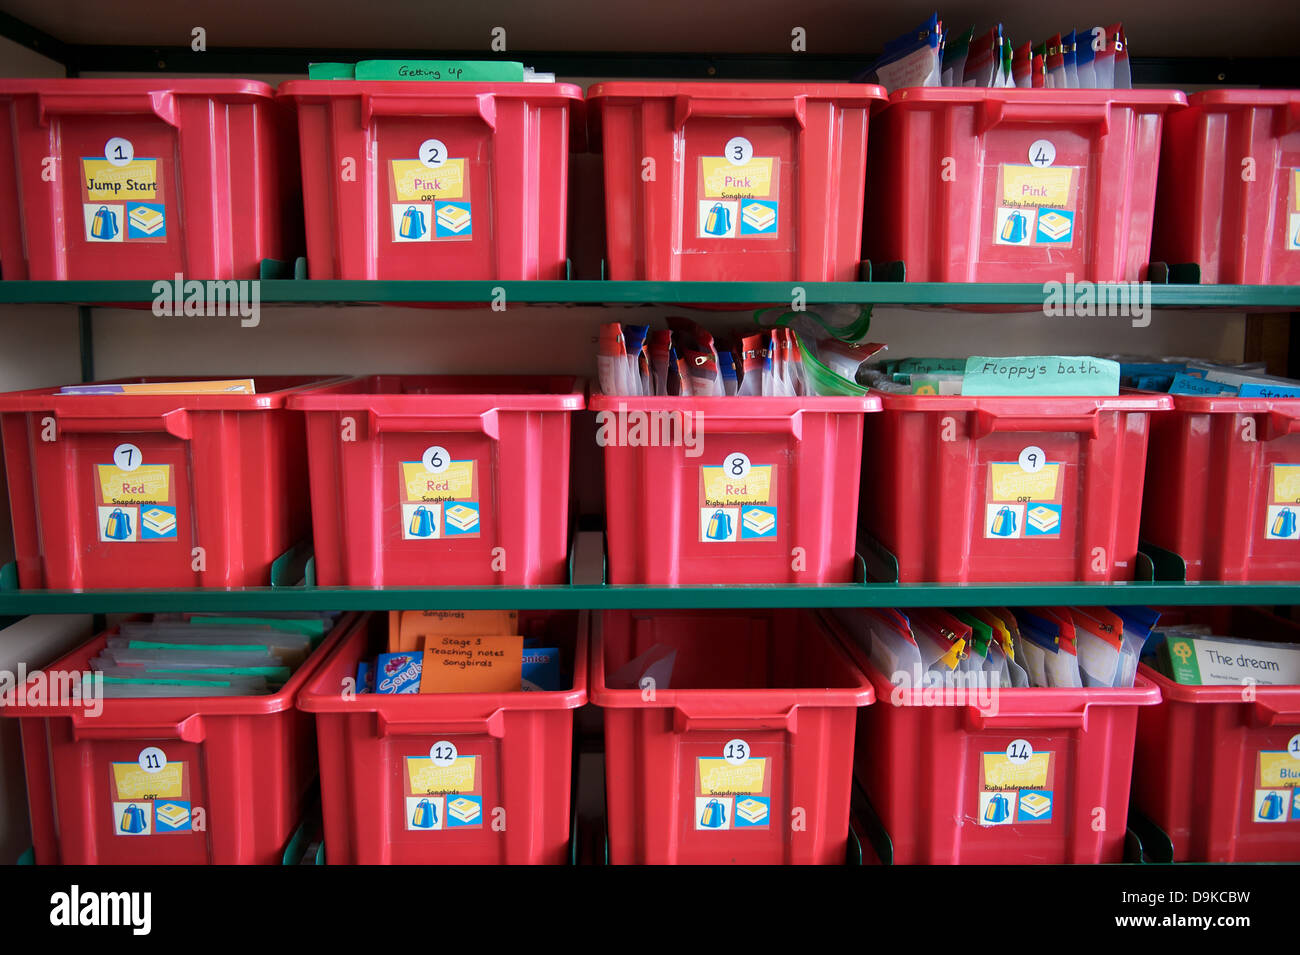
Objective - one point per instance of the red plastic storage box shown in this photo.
(1224, 475)
(1211, 759)
(945, 492)
(733, 181)
(419, 480)
(1229, 197)
(150, 178)
(120, 491)
(942, 780)
(247, 761)
(999, 185)
(423, 180)
(510, 753)
(675, 517)
(745, 755)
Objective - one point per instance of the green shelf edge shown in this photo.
(634, 598)
(329, 291)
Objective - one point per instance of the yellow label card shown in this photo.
(426, 777)
(1011, 482)
(413, 181)
(721, 488)
(1032, 186)
(718, 777)
(1278, 770)
(1295, 190)
(1286, 483)
(103, 181)
(456, 483)
(1001, 773)
(147, 484)
(722, 180)
(134, 783)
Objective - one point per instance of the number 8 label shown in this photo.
(736, 465)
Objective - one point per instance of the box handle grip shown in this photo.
(493, 725)
(159, 103)
(684, 721)
(488, 423)
(988, 422)
(1014, 722)
(188, 730)
(993, 112)
(480, 105)
(790, 107)
(176, 423)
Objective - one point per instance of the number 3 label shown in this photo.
(739, 150)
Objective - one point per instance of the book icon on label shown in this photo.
(461, 518)
(453, 219)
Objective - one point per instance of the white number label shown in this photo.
(736, 465)
(126, 457)
(1293, 747)
(736, 752)
(433, 153)
(1032, 459)
(1020, 751)
(436, 460)
(119, 151)
(152, 759)
(739, 150)
(442, 753)
(1042, 152)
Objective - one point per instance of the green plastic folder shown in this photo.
(1043, 375)
(331, 71)
(453, 71)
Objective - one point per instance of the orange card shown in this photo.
(472, 664)
(407, 629)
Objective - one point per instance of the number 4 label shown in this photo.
(1042, 152)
